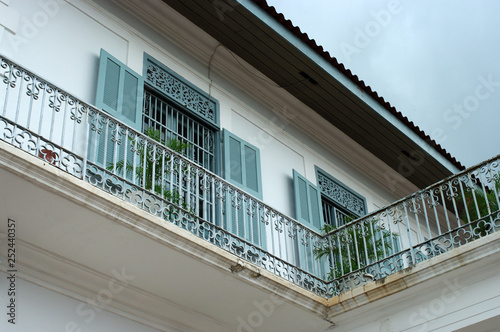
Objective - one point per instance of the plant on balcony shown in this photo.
(148, 167)
(476, 203)
(343, 247)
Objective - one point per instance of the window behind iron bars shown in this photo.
(174, 123)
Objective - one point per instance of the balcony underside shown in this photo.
(72, 236)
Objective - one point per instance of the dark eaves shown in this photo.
(354, 78)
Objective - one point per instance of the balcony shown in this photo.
(76, 138)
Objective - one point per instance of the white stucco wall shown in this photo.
(61, 41)
(42, 310)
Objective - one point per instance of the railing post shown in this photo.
(86, 143)
(408, 232)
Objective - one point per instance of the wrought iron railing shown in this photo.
(88, 143)
(49, 123)
(444, 216)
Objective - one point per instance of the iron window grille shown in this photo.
(163, 115)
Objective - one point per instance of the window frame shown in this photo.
(332, 201)
(214, 125)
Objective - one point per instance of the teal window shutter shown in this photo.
(242, 169)
(307, 202)
(309, 212)
(242, 164)
(120, 91)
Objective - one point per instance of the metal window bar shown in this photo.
(162, 115)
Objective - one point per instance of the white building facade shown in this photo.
(171, 166)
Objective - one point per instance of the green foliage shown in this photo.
(367, 237)
(148, 170)
(475, 205)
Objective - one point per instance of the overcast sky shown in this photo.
(437, 62)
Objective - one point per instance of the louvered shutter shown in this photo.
(242, 169)
(119, 93)
(251, 166)
(242, 164)
(307, 202)
(308, 211)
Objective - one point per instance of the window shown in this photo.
(183, 115)
(329, 202)
(339, 203)
(174, 125)
(163, 102)
(181, 112)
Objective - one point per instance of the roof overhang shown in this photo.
(339, 97)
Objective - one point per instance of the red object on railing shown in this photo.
(48, 155)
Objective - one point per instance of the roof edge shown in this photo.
(295, 30)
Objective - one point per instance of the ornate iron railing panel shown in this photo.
(51, 124)
(432, 221)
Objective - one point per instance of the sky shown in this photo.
(437, 62)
